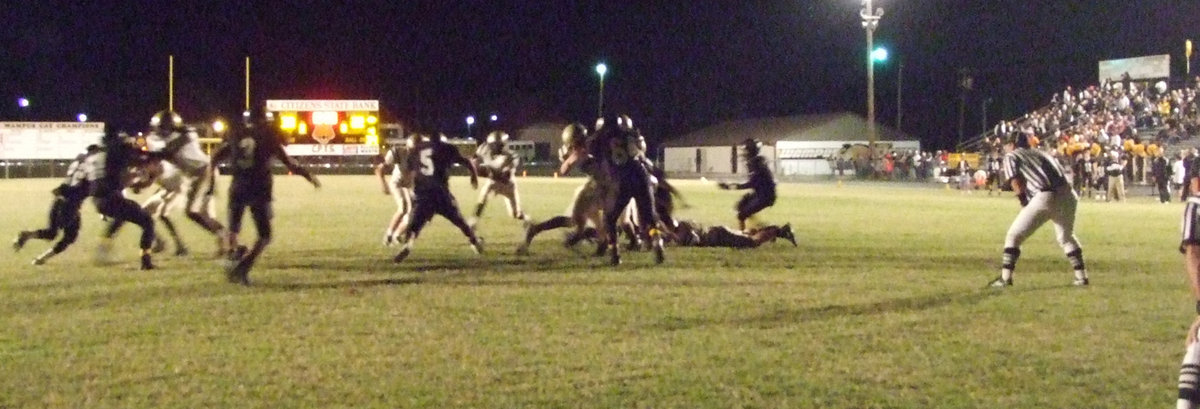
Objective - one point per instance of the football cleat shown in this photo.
(389, 240)
(1080, 282)
(181, 251)
(659, 256)
(39, 261)
(159, 245)
(1000, 283)
(146, 264)
(477, 245)
(403, 254)
(19, 242)
(785, 232)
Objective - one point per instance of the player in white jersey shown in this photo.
(196, 182)
(173, 184)
(1189, 371)
(498, 164)
(1045, 195)
(398, 184)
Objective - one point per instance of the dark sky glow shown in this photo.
(674, 66)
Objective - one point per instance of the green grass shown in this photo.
(881, 306)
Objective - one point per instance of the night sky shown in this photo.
(674, 66)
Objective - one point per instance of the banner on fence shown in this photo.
(47, 140)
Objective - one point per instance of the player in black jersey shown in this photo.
(619, 150)
(108, 173)
(761, 183)
(429, 162)
(692, 234)
(64, 213)
(250, 153)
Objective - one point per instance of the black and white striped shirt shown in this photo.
(1039, 171)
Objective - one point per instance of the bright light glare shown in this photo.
(495, 118)
(218, 126)
(879, 54)
(287, 122)
(324, 118)
(601, 69)
(82, 117)
(358, 122)
(471, 120)
(23, 102)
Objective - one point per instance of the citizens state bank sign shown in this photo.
(318, 105)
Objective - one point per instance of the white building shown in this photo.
(800, 145)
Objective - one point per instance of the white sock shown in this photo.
(1006, 274)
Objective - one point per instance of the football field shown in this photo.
(881, 305)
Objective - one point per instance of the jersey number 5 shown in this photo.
(427, 161)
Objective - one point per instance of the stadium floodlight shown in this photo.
(880, 54)
(23, 102)
(218, 126)
(494, 118)
(82, 117)
(601, 69)
(470, 120)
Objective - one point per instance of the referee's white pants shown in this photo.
(1057, 206)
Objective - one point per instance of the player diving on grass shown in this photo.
(64, 212)
(398, 184)
(1045, 195)
(429, 162)
(498, 165)
(692, 234)
(761, 184)
(250, 152)
(185, 173)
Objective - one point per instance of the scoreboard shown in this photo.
(327, 122)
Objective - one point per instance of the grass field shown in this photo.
(881, 306)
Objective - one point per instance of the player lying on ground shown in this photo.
(64, 213)
(250, 152)
(691, 234)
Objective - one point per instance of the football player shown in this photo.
(619, 150)
(250, 153)
(192, 179)
(761, 184)
(588, 201)
(498, 164)
(430, 162)
(108, 171)
(64, 213)
(399, 186)
(692, 234)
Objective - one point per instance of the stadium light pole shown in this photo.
(601, 69)
(870, 21)
(470, 122)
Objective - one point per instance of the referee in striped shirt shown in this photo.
(1189, 371)
(1045, 195)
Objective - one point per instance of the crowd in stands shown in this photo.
(1105, 136)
